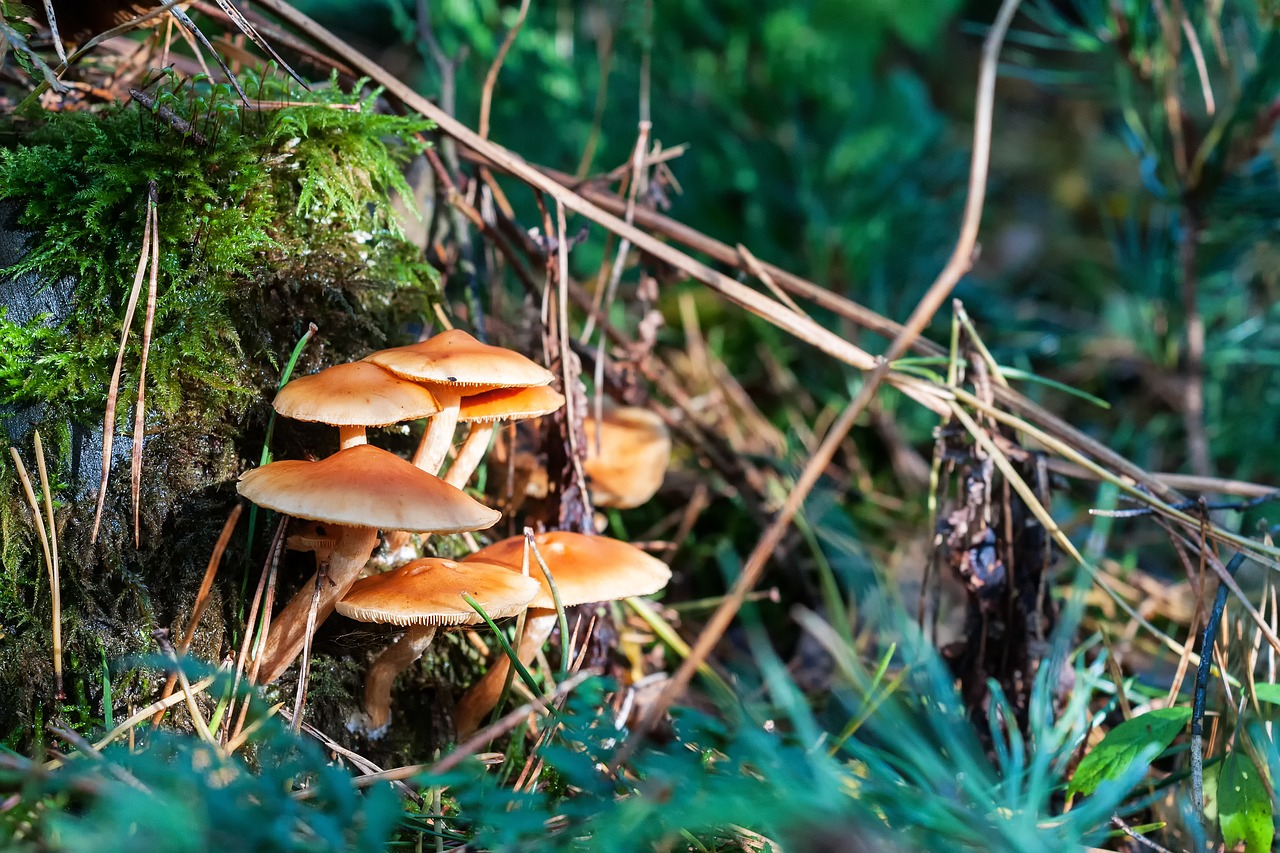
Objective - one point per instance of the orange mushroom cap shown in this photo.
(365, 486)
(634, 452)
(357, 394)
(510, 404)
(429, 592)
(456, 359)
(585, 568)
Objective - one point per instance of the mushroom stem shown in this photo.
(477, 703)
(439, 435)
(469, 455)
(431, 451)
(395, 659)
(350, 436)
(289, 627)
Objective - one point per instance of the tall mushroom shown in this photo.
(483, 411)
(424, 595)
(352, 397)
(453, 364)
(584, 569)
(358, 490)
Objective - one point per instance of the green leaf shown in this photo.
(1244, 806)
(1124, 744)
(1267, 693)
(1212, 771)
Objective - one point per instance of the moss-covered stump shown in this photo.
(267, 221)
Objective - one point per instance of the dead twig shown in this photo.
(254, 36)
(53, 31)
(264, 597)
(304, 669)
(491, 77)
(202, 597)
(113, 388)
(50, 551)
(148, 323)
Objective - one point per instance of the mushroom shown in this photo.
(453, 364)
(358, 490)
(584, 569)
(483, 411)
(634, 451)
(352, 397)
(423, 595)
(312, 536)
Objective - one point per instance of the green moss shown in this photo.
(263, 186)
(268, 221)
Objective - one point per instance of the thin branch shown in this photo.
(1202, 681)
(254, 36)
(1206, 87)
(491, 78)
(55, 583)
(604, 296)
(1193, 370)
(44, 539)
(1140, 839)
(148, 323)
(191, 27)
(53, 31)
(113, 388)
(304, 669)
(691, 238)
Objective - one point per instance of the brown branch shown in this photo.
(140, 410)
(730, 256)
(459, 201)
(113, 387)
(491, 78)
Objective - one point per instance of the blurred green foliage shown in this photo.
(913, 775)
(177, 794)
(811, 137)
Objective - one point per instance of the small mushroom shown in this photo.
(424, 595)
(631, 461)
(453, 364)
(352, 397)
(483, 411)
(585, 569)
(358, 490)
(313, 536)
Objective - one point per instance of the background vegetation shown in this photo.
(1126, 283)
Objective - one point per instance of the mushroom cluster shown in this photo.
(353, 494)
